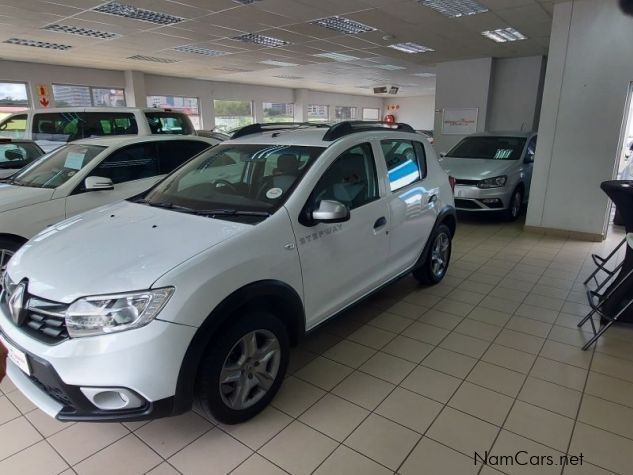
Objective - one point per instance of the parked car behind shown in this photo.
(213, 134)
(51, 128)
(83, 175)
(16, 154)
(493, 172)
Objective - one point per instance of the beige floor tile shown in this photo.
(542, 301)
(440, 319)
(45, 424)
(425, 333)
(319, 341)
(382, 440)
(529, 326)
(295, 396)
(550, 396)
(474, 286)
(299, 358)
(344, 460)
(39, 459)
(422, 298)
(393, 322)
(363, 389)
(168, 435)
(464, 344)
(570, 336)
(611, 389)
(323, 373)
(509, 358)
(462, 432)
(559, 373)
(406, 309)
(79, 441)
(429, 457)
(430, 383)
(334, 417)
(566, 354)
(538, 424)
(127, 456)
(602, 448)
(537, 313)
(520, 341)
(509, 444)
(466, 296)
(7, 410)
(408, 349)
(371, 336)
(349, 353)
(477, 329)
(487, 315)
(20, 401)
(515, 295)
(611, 366)
(6, 386)
(607, 415)
(409, 409)
(501, 380)
(459, 309)
(584, 469)
(449, 362)
(163, 469)
(298, 439)
(16, 435)
(387, 367)
(259, 430)
(481, 402)
(196, 457)
(257, 465)
(499, 304)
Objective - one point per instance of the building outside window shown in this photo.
(342, 113)
(279, 112)
(370, 113)
(318, 113)
(14, 97)
(231, 115)
(68, 95)
(187, 105)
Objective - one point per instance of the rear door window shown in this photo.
(174, 153)
(70, 126)
(405, 162)
(133, 162)
(169, 123)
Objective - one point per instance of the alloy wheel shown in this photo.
(516, 204)
(440, 254)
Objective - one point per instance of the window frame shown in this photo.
(24, 108)
(318, 120)
(215, 115)
(292, 104)
(351, 108)
(370, 108)
(90, 93)
(422, 164)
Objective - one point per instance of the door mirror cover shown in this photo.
(98, 183)
(330, 211)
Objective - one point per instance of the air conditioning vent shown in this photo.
(387, 90)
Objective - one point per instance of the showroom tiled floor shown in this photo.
(414, 381)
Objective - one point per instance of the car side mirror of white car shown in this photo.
(330, 211)
(442, 154)
(98, 183)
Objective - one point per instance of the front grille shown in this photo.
(461, 181)
(466, 204)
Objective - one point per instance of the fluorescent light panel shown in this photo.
(283, 76)
(389, 67)
(411, 48)
(36, 44)
(337, 56)
(198, 50)
(504, 35)
(454, 8)
(424, 75)
(281, 64)
(89, 32)
(152, 59)
(261, 40)
(343, 25)
(135, 13)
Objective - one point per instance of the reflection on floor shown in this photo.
(414, 381)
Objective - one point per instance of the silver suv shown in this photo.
(493, 172)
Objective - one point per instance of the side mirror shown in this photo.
(442, 154)
(98, 183)
(14, 155)
(529, 159)
(330, 211)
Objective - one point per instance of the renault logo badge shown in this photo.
(16, 305)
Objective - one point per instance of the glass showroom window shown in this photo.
(67, 95)
(278, 112)
(345, 113)
(370, 113)
(230, 115)
(187, 105)
(318, 113)
(13, 98)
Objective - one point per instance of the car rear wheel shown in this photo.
(437, 259)
(516, 205)
(244, 368)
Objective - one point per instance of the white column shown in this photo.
(135, 95)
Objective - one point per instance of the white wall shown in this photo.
(419, 112)
(588, 77)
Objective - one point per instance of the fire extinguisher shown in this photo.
(390, 119)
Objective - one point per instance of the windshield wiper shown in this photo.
(230, 212)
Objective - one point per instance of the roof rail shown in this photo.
(351, 127)
(271, 127)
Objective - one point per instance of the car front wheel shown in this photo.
(516, 204)
(437, 259)
(244, 368)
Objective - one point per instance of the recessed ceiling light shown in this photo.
(389, 67)
(262, 40)
(455, 8)
(424, 75)
(153, 59)
(343, 25)
(336, 56)
(503, 35)
(282, 76)
(135, 13)
(281, 64)
(73, 30)
(36, 44)
(198, 50)
(411, 48)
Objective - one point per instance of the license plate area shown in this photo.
(18, 357)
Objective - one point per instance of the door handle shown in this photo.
(433, 199)
(380, 222)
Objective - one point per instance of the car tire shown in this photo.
(617, 219)
(8, 247)
(437, 258)
(516, 205)
(244, 368)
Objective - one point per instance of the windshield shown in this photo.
(18, 155)
(235, 179)
(57, 167)
(169, 123)
(489, 148)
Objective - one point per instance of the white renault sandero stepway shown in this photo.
(198, 287)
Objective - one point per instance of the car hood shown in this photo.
(116, 248)
(12, 197)
(475, 169)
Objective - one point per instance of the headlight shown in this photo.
(114, 313)
(496, 182)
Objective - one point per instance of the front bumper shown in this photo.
(144, 363)
(472, 198)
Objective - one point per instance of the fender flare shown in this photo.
(448, 214)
